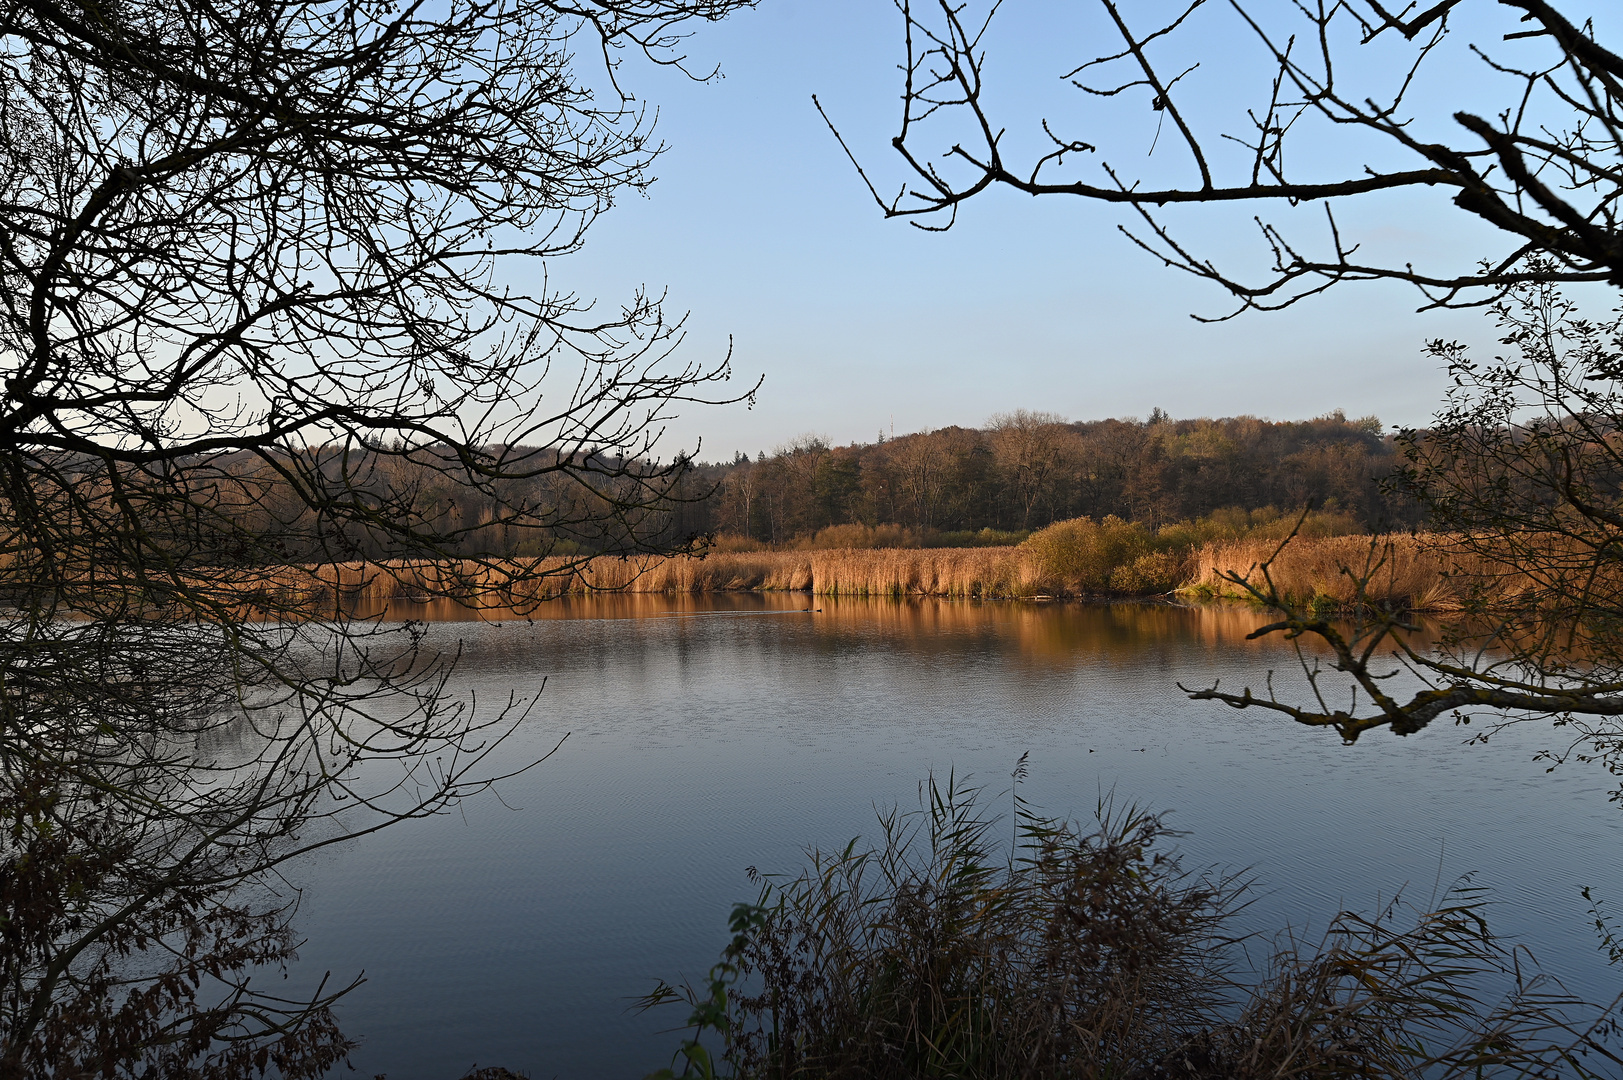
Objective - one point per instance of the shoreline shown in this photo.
(1409, 571)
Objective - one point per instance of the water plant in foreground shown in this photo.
(954, 948)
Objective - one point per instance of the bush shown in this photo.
(1116, 556)
(1153, 573)
(1082, 555)
(1264, 523)
(943, 953)
(731, 543)
(987, 537)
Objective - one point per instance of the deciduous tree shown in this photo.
(263, 307)
(1028, 449)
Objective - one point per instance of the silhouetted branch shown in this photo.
(1553, 185)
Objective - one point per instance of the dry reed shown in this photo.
(945, 572)
(1412, 571)
(951, 572)
(1416, 572)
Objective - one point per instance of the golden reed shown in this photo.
(949, 572)
(1410, 571)
(1419, 572)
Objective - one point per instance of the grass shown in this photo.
(964, 945)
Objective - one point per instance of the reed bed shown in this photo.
(1419, 572)
(512, 582)
(945, 572)
(952, 572)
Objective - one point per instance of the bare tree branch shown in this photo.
(1552, 191)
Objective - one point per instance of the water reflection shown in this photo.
(710, 733)
(1038, 628)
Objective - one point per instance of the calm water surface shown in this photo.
(711, 734)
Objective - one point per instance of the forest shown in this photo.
(951, 487)
(1025, 470)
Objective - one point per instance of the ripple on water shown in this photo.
(707, 734)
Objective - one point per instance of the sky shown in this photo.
(760, 228)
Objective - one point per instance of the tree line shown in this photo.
(953, 485)
(1025, 470)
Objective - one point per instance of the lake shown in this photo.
(710, 734)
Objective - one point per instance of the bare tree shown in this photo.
(739, 488)
(260, 311)
(802, 457)
(921, 464)
(1028, 448)
(1539, 163)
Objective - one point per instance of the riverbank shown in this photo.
(1408, 571)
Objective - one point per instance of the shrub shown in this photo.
(1271, 524)
(944, 953)
(1083, 554)
(1154, 572)
(987, 537)
(733, 543)
(1116, 556)
(1264, 523)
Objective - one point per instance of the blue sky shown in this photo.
(759, 227)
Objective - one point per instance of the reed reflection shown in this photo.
(1054, 631)
(707, 733)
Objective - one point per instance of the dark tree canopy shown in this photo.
(1025, 470)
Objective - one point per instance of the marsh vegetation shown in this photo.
(1079, 559)
(967, 944)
